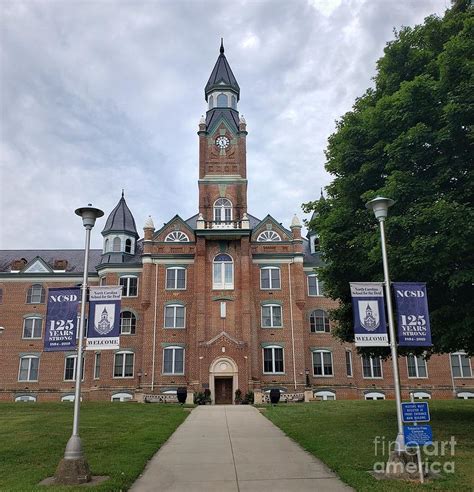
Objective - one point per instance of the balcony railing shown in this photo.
(223, 224)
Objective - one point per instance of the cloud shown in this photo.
(100, 96)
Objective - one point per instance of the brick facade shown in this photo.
(223, 336)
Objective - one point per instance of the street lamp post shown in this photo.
(73, 469)
(380, 206)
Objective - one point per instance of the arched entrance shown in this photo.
(223, 380)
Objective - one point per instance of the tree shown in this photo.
(409, 138)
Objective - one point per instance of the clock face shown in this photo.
(222, 142)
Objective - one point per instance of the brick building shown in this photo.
(222, 300)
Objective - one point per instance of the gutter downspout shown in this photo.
(154, 329)
(292, 325)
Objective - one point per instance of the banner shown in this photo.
(412, 314)
(370, 327)
(104, 318)
(61, 319)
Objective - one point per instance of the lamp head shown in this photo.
(89, 214)
(380, 206)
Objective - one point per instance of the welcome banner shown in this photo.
(104, 318)
(370, 326)
(61, 319)
(412, 314)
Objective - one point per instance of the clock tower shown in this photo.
(222, 151)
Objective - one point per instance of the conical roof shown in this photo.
(121, 220)
(222, 76)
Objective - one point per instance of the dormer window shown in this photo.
(116, 245)
(222, 210)
(222, 101)
(128, 246)
(314, 243)
(234, 102)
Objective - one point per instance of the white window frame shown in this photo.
(268, 237)
(121, 397)
(325, 395)
(124, 353)
(349, 352)
(318, 286)
(177, 237)
(175, 270)
(97, 361)
(461, 369)
(269, 269)
(465, 395)
(320, 353)
(28, 376)
(174, 307)
(272, 316)
(130, 325)
(25, 399)
(69, 398)
(325, 317)
(421, 395)
(225, 207)
(37, 318)
(173, 372)
(29, 294)
(74, 371)
(372, 368)
(126, 287)
(222, 284)
(417, 369)
(374, 395)
(273, 347)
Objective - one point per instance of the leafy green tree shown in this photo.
(409, 138)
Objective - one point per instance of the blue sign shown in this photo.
(415, 412)
(61, 319)
(417, 435)
(413, 316)
(370, 326)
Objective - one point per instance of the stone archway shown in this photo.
(223, 369)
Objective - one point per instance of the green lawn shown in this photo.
(118, 438)
(341, 433)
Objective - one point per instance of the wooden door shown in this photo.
(223, 389)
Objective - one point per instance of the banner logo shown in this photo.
(370, 327)
(106, 321)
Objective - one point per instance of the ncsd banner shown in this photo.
(61, 319)
(370, 327)
(412, 314)
(104, 318)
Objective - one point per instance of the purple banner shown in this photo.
(370, 326)
(104, 318)
(413, 317)
(61, 319)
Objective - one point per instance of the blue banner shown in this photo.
(370, 326)
(413, 317)
(417, 435)
(415, 412)
(104, 318)
(61, 319)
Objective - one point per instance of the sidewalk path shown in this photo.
(233, 448)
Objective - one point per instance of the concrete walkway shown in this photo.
(233, 448)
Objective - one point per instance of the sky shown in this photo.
(100, 96)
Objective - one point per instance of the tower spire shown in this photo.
(222, 45)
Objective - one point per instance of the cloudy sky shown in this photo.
(96, 96)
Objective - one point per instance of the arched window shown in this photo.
(319, 321)
(222, 210)
(211, 102)
(173, 360)
(315, 286)
(176, 278)
(175, 316)
(128, 323)
(32, 327)
(234, 102)
(69, 398)
(123, 364)
(35, 294)
(106, 245)
(128, 246)
(322, 363)
(271, 316)
(29, 365)
(421, 395)
(223, 272)
(121, 397)
(222, 101)
(176, 237)
(465, 395)
(25, 399)
(374, 395)
(273, 360)
(270, 278)
(116, 245)
(268, 236)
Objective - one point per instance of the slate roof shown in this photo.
(230, 115)
(313, 260)
(74, 258)
(123, 258)
(222, 76)
(121, 220)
